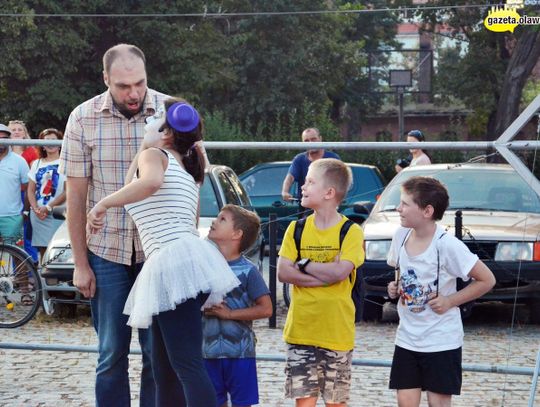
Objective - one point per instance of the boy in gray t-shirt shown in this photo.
(228, 337)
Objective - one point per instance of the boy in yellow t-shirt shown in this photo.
(319, 329)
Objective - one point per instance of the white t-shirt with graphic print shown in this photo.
(420, 329)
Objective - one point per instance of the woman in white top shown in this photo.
(45, 191)
(181, 270)
(419, 156)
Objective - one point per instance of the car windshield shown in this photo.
(267, 181)
(474, 189)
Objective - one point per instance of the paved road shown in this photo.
(38, 378)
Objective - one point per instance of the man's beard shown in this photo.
(127, 113)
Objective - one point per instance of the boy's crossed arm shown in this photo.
(261, 309)
(317, 274)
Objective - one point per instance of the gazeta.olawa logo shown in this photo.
(501, 19)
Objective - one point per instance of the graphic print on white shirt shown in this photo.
(413, 294)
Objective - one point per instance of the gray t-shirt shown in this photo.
(229, 338)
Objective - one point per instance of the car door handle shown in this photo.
(278, 204)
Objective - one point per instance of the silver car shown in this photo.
(221, 187)
(501, 224)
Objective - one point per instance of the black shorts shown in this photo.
(437, 372)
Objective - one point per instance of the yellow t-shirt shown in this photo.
(323, 316)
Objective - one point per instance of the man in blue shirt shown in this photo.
(300, 164)
(13, 179)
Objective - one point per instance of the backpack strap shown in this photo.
(299, 229)
(344, 230)
(297, 235)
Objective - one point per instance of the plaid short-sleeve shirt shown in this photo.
(99, 144)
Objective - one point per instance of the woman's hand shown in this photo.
(96, 218)
(41, 212)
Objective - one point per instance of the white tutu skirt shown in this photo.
(177, 272)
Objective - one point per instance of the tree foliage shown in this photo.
(489, 71)
(268, 75)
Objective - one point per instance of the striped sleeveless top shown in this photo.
(168, 213)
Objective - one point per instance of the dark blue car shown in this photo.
(263, 184)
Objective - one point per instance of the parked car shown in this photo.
(501, 224)
(221, 187)
(263, 183)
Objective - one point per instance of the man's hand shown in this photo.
(393, 290)
(85, 280)
(222, 311)
(439, 304)
(286, 196)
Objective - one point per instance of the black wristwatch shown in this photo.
(302, 265)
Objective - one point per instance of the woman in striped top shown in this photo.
(181, 271)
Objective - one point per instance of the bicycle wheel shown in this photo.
(20, 287)
(287, 294)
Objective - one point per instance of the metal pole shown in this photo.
(330, 145)
(459, 225)
(534, 380)
(401, 118)
(272, 242)
(497, 369)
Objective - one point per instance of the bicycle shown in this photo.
(23, 287)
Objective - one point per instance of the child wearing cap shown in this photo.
(181, 271)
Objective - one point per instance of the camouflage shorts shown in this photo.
(311, 371)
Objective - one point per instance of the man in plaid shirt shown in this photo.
(101, 139)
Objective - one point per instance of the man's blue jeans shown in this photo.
(113, 283)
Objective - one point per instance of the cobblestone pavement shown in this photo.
(42, 378)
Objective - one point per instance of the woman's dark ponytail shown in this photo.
(184, 142)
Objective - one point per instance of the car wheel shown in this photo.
(466, 309)
(534, 311)
(287, 294)
(372, 308)
(67, 311)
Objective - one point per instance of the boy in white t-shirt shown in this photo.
(429, 337)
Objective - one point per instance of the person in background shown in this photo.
(19, 131)
(101, 139)
(13, 179)
(418, 156)
(45, 191)
(301, 162)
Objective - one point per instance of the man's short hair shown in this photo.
(335, 174)
(314, 130)
(246, 221)
(428, 191)
(114, 52)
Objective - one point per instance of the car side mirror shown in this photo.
(363, 207)
(59, 212)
